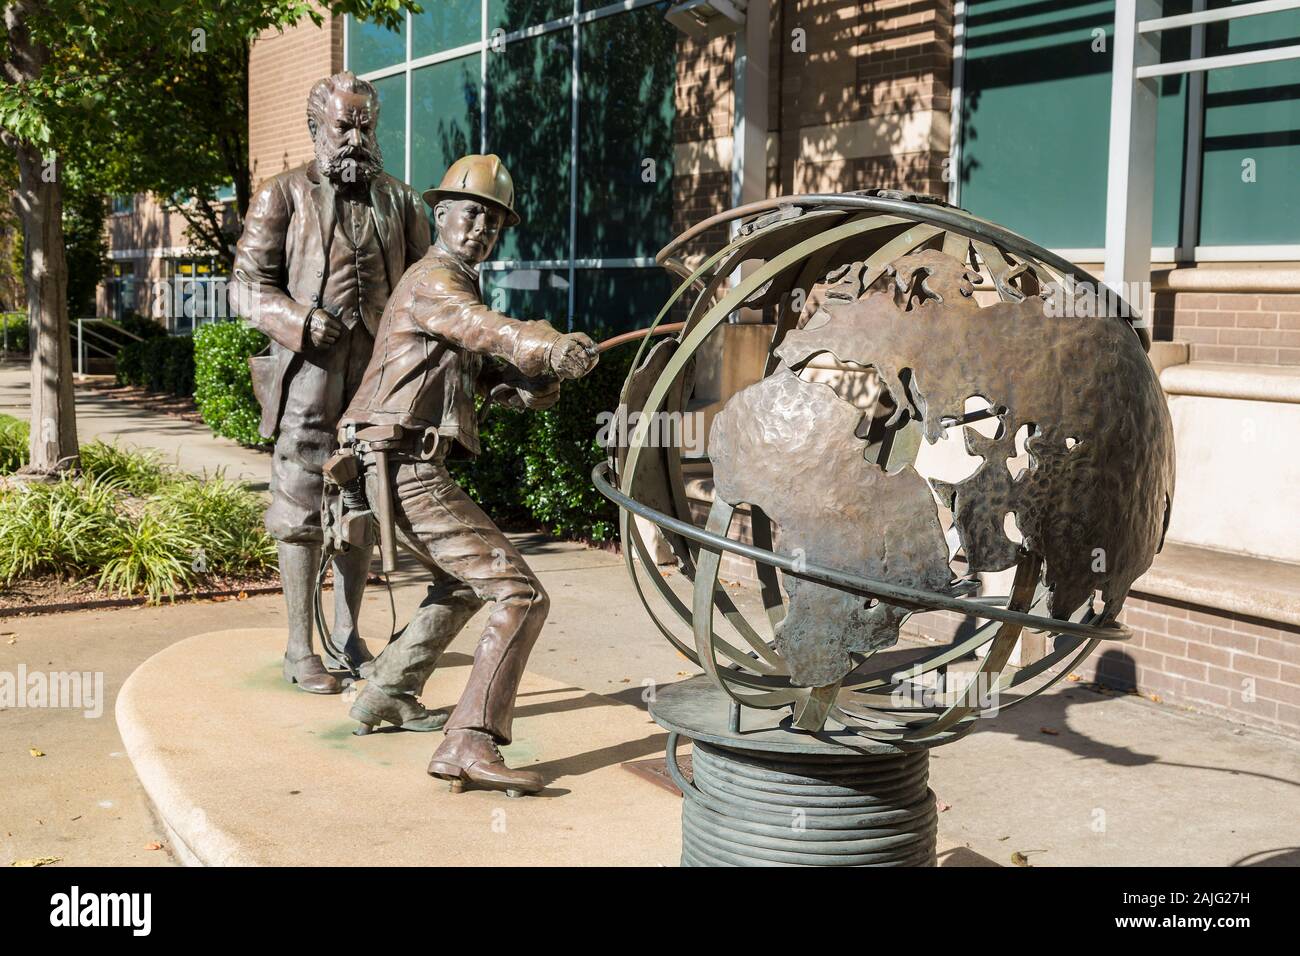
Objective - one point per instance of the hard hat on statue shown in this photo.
(477, 176)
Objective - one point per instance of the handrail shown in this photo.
(83, 345)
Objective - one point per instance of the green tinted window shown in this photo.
(392, 123)
(528, 126)
(445, 25)
(512, 15)
(529, 293)
(625, 135)
(1036, 120)
(445, 118)
(1251, 161)
(609, 301)
(371, 47)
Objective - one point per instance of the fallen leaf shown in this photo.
(243, 596)
(1075, 678)
(1156, 698)
(35, 752)
(1019, 859)
(153, 846)
(1007, 837)
(1049, 731)
(626, 680)
(941, 806)
(37, 861)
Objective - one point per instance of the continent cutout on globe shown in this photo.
(788, 447)
(1093, 502)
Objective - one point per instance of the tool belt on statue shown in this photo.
(349, 514)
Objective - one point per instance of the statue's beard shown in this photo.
(340, 168)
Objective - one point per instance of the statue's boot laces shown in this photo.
(375, 706)
(472, 757)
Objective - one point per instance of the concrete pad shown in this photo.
(245, 770)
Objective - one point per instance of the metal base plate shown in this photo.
(698, 709)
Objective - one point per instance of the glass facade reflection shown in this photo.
(531, 80)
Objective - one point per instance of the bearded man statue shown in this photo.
(323, 247)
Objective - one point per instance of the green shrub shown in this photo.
(223, 386)
(160, 364)
(151, 554)
(140, 326)
(62, 527)
(137, 472)
(223, 521)
(15, 331)
(13, 444)
(538, 464)
(136, 525)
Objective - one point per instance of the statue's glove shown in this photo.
(573, 355)
(539, 395)
(522, 393)
(323, 329)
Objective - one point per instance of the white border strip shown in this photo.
(1197, 18)
(1226, 61)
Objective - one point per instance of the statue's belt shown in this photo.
(372, 445)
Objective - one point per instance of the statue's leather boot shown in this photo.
(471, 757)
(298, 566)
(309, 674)
(374, 705)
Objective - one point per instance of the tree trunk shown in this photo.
(54, 421)
(39, 203)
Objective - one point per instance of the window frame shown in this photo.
(483, 47)
(1188, 249)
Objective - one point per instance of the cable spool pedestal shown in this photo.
(769, 795)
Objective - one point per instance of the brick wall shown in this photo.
(863, 103)
(281, 70)
(1244, 328)
(702, 134)
(867, 104)
(1239, 668)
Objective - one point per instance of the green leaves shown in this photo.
(537, 465)
(223, 386)
(137, 525)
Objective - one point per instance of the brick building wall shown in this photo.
(281, 70)
(867, 104)
(1241, 668)
(859, 96)
(702, 134)
(1247, 328)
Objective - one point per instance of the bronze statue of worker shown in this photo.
(438, 346)
(323, 247)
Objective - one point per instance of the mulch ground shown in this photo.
(50, 594)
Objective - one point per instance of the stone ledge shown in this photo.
(1234, 583)
(1258, 383)
(1241, 277)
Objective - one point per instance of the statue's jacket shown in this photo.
(430, 352)
(283, 260)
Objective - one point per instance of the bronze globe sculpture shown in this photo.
(829, 765)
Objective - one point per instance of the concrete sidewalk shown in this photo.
(184, 444)
(1073, 778)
